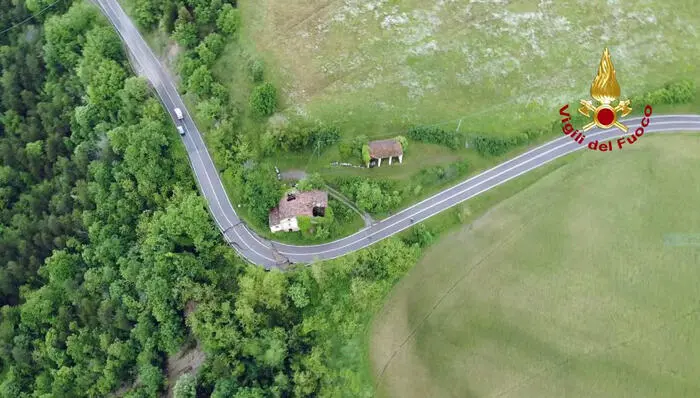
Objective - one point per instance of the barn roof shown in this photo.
(385, 148)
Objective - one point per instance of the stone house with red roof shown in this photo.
(295, 204)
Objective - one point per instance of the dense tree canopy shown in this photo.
(109, 261)
(261, 190)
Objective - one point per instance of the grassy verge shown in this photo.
(467, 212)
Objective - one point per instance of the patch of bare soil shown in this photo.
(187, 360)
(172, 51)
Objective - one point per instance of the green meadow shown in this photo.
(376, 67)
(569, 288)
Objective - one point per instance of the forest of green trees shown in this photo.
(109, 261)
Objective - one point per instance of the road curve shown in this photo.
(271, 254)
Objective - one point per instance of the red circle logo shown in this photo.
(606, 116)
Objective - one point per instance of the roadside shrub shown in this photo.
(185, 34)
(322, 231)
(370, 268)
(186, 65)
(436, 135)
(200, 81)
(341, 211)
(672, 93)
(146, 12)
(318, 228)
(323, 227)
(463, 212)
(495, 146)
(434, 176)
(681, 92)
(373, 196)
(533, 134)
(263, 100)
(420, 235)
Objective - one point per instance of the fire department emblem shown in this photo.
(605, 90)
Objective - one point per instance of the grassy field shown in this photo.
(566, 289)
(376, 66)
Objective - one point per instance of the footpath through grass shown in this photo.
(569, 288)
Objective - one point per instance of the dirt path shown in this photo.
(293, 175)
(187, 360)
(365, 216)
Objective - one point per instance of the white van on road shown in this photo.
(178, 113)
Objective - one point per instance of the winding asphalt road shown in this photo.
(271, 254)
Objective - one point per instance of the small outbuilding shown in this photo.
(295, 204)
(385, 149)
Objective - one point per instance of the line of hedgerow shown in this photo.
(495, 145)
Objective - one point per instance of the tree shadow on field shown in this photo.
(533, 357)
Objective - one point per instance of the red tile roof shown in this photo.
(302, 205)
(384, 149)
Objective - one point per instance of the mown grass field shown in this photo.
(566, 289)
(375, 67)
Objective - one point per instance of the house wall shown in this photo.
(285, 225)
(379, 160)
